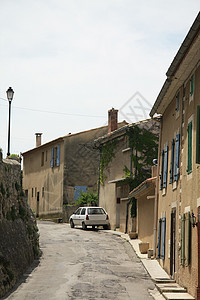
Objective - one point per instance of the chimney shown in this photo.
(112, 120)
(38, 139)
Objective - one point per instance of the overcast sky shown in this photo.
(69, 61)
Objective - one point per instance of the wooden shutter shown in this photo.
(197, 136)
(159, 237)
(172, 163)
(163, 238)
(177, 153)
(183, 240)
(52, 152)
(189, 154)
(58, 156)
(162, 170)
(188, 239)
(165, 167)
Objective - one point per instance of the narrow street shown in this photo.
(82, 265)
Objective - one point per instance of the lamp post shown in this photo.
(10, 94)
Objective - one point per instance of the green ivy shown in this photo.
(107, 153)
(87, 198)
(144, 145)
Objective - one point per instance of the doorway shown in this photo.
(173, 243)
(38, 204)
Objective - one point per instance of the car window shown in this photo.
(78, 211)
(96, 211)
(83, 211)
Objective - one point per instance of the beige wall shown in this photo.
(146, 216)
(185, 195)
(43, 179)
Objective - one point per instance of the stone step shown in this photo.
(170, 287)
(163, 280)
(178, 296)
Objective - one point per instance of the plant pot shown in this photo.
(143, 247)
(133, 235)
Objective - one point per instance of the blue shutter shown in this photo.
(177, 150)
(162, 170)
(163, 238)
(58, 156)
(165, 167)
(172, 163)
(52, 151)
(159, 237)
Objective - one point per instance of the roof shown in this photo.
(142, 187)
(121, 131)
(187, 44)
(61, 139)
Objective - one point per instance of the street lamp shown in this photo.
(10, 94)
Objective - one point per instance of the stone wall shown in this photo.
(19, 238)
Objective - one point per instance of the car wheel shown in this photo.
(106, 227)
(84, 226)
(71, 223)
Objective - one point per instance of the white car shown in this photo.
(90, 216)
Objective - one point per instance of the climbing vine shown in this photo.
(144, 148)
(107, 153)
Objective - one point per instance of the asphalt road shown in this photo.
(83, 265)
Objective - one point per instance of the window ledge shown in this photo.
(164, 192)
(127, 149)
(174, 185)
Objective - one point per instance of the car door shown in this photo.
(76, 217)
(82, 215)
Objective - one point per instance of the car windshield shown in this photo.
(96, 211)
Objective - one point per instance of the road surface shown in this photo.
(83, 265)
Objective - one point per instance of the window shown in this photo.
(177, 151)
(43, 192)
(177, 101)
(189, 154)
(197, 136)
(192, 86)
(35, 192)
(46, 154)
(162, 170)
(165, 167)
(83, 211)
(42, 159)
(172, 163)
(55, 156)
(32, 192)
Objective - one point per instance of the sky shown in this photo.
(70, 61)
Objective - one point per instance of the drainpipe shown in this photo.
(157, 195)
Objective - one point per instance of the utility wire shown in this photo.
(53, 112)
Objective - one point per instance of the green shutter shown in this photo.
(183, 240)
(189, 154)
(188, 239)
(197, 136)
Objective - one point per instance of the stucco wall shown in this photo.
(184, 196)
(43, 180)
(146, 217)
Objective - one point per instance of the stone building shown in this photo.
(117, 159)
(179, 165)
(54, 173)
